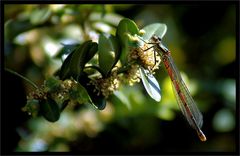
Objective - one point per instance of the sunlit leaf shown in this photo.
(157, 29)
(125, 28)
(150, 84)
(78, 61)
(108, 53)
(73, 65)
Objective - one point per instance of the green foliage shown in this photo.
(79, 94)
(67, 49)
(109, 52)
(79, 59)
(65, 71)
(52, 84)
(75, 62)
(75, 72)
(125, 28)
(49, 109)
(38, 38)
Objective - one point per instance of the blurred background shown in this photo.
(202, 39)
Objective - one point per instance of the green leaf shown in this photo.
(50, 110)
(108, 53)
(150, 84)
(157, 29)
(98, 100)
(67, 48)
(73, 65)
(92, 51)
(65, 71)
(78, 60)
(40, 16)
(79, 93)
(52, 84)
(64, 105)
(125, 28)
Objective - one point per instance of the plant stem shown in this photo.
(26, 79)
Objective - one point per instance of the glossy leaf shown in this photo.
(65, 71)
(79, 94)
(73, 65)
(92, 51)
(108, 53)
(67, 49)
(98, 100)
(125, 28)
(50, 110)
(52, 84)
(157, 29)
(150, 84)
(78, 61)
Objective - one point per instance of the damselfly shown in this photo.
(184, 99)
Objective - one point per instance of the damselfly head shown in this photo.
(159, 46)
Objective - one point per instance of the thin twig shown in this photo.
(26, 79)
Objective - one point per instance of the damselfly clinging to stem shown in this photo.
(184, 99)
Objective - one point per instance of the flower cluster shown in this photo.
(106, 86)
(146, 57)
(37, 94)
(132, 75)
(59, 93)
